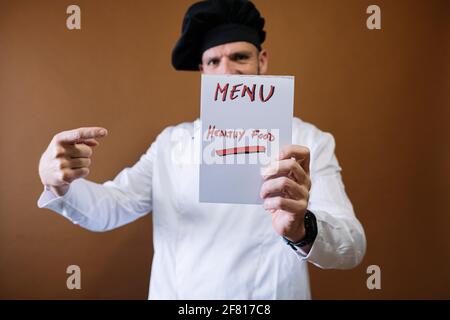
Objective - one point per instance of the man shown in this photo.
(205, 250)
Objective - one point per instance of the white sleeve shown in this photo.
(103, 207)
(340, 241)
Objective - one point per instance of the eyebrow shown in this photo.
(242, 53)
(233, 54)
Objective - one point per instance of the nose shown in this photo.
(228, 67)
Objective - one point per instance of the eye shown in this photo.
(240, 57)
(213, 62)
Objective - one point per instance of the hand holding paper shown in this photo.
(286, 191)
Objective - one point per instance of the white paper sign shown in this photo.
(245, 121)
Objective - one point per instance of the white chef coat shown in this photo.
(218, 251)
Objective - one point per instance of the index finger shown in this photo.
(299, 153)
(80, 134)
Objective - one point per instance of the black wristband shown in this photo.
(310, 232)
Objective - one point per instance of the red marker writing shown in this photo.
(239, 150)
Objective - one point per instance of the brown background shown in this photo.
(383, 94)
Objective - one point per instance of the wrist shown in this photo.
(298, 234)
(58, 191)
(310, 233)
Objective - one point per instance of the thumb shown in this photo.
(90, 142)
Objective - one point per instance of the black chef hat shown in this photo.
(211, 23)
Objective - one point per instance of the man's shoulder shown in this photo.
(307, 134)
(178, 131)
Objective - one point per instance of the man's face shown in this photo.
(234, 58)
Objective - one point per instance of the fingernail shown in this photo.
(264, 205)
(267, 171)
(264, 173)
(102, 132)
(263, 170)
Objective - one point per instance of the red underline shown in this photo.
(239, 150)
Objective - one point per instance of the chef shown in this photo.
(208, 250)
